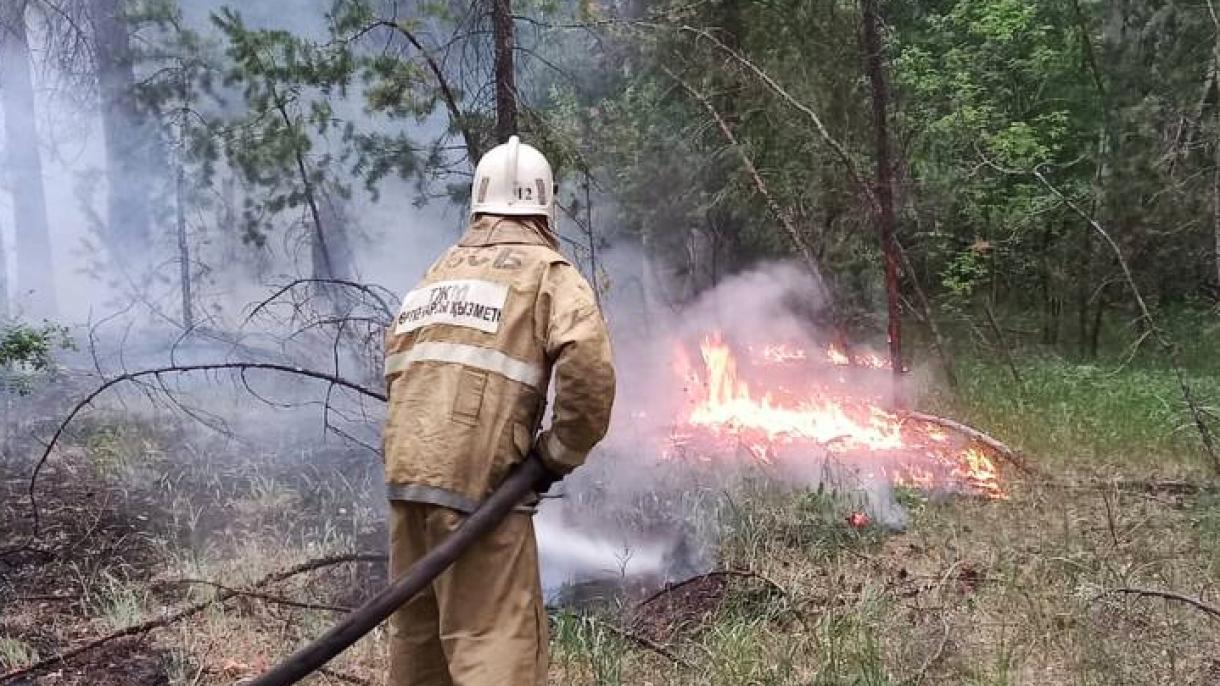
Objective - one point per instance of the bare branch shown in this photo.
(177, 369)
(267, 597)
(368, 289)
(1211, 610)
(761, 186)
(841, 152)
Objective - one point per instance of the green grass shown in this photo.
(586, 649)
(1064, 412)
(15, 653)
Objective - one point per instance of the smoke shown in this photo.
(639, 513)
(393, 236)
(634, 516)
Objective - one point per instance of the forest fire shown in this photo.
(836, 356)
(800, 414)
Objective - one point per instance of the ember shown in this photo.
(728, 414)
(859, 520)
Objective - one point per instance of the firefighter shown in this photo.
(468, 363)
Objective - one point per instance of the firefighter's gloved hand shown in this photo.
(548, 479)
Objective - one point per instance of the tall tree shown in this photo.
(35, 276)
(506, 84)
(131, 152)
(875, 66)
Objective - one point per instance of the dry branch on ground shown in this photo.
(1000, 448)
(183, 613)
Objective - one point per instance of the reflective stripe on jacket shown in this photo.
(469, 359)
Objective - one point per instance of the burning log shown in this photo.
(998, 447)
(778, 409)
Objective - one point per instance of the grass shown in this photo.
(1084, 415)
(15, 653)
(956, 591)
(977, 592)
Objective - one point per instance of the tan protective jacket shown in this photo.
(469, 359)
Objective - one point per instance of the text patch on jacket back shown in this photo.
(473, 303)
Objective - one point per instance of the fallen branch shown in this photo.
(998, 446)
(741, 573)
(345, 678)
(644, 642)
(43, 598)
(266, 597)
(841, 152)
(145, 627)
(1171, 487)
(799, 241)
(1211, 610)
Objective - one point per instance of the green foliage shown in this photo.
(1065, 411)
(964, 272)
(286, 83)
(32, 347)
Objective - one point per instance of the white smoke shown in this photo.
(638, 513)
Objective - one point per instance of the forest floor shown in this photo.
(1021, 590)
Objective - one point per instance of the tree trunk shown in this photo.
(4, 315)
(129, 137)
(875, 66)
(506, 85)
(1216, 183)
(938, 339)
(1215, 80)
(338, 252)
(1098, 315)
(35, 276)
(184, 250)
(1050, 292)
(1083, 284)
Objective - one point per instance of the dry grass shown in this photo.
(970, 592)
(974, 592)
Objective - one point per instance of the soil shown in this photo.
(83, 527)
(683, 605)
(86, 526)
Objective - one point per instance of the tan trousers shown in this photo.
(482, 622)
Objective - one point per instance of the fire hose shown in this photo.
(364, 619)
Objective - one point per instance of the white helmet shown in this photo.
(512, 178)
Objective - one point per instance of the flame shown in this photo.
(782, 353)
(724, 406)
(836, 356)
